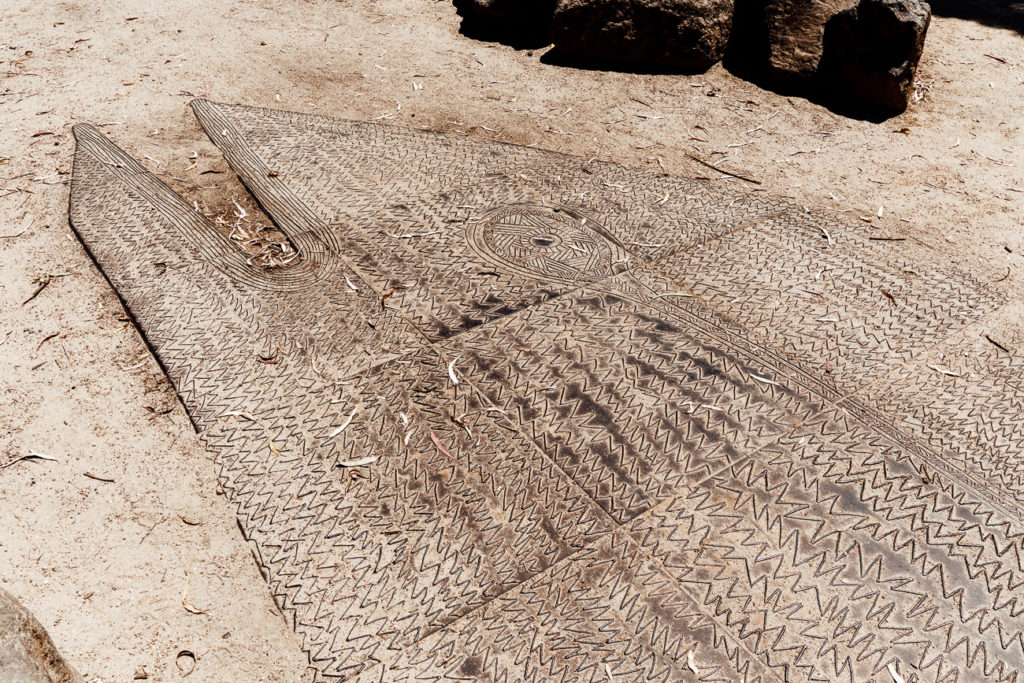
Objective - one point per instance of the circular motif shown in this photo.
(551, 243)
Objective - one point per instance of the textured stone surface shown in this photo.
(515, 415)
(671, 34)
(872, 51)
(862, 55)
(794, 32)
(27, 655)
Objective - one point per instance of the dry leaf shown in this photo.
(189, 607)
(344, 425)
(689, 663)
(440, 446)
(358, 463)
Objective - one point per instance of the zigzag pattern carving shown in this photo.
(516, 416)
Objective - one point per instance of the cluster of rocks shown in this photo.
(861, 52)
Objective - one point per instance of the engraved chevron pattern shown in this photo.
(628, 401)
(827, 295)
(832, 556)
(965, 399)
(606, 613)
(516, 416)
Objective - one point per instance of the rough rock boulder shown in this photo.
(688, 35)
(794, 36)
(510, 19)
(27, 655)
(872, 51)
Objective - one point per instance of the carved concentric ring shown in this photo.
(552, 243)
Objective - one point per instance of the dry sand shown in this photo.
(105, 565)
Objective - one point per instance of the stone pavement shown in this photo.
(503, 414)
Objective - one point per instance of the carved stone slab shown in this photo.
(514, 415)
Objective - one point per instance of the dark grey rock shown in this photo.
(503, 10)
(689, 35)
(872, 51)
(526, 22)
(27, 655)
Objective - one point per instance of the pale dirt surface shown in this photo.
(104, 564)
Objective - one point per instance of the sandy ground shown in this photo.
(127, 573)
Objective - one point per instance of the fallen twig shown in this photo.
(999, 162)
(384, 298)
(947, 373)
(46, 339)
(728, 173)
(997, 344)
(43, 281)
(150, 530)
(29, 456)
(26, 224)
